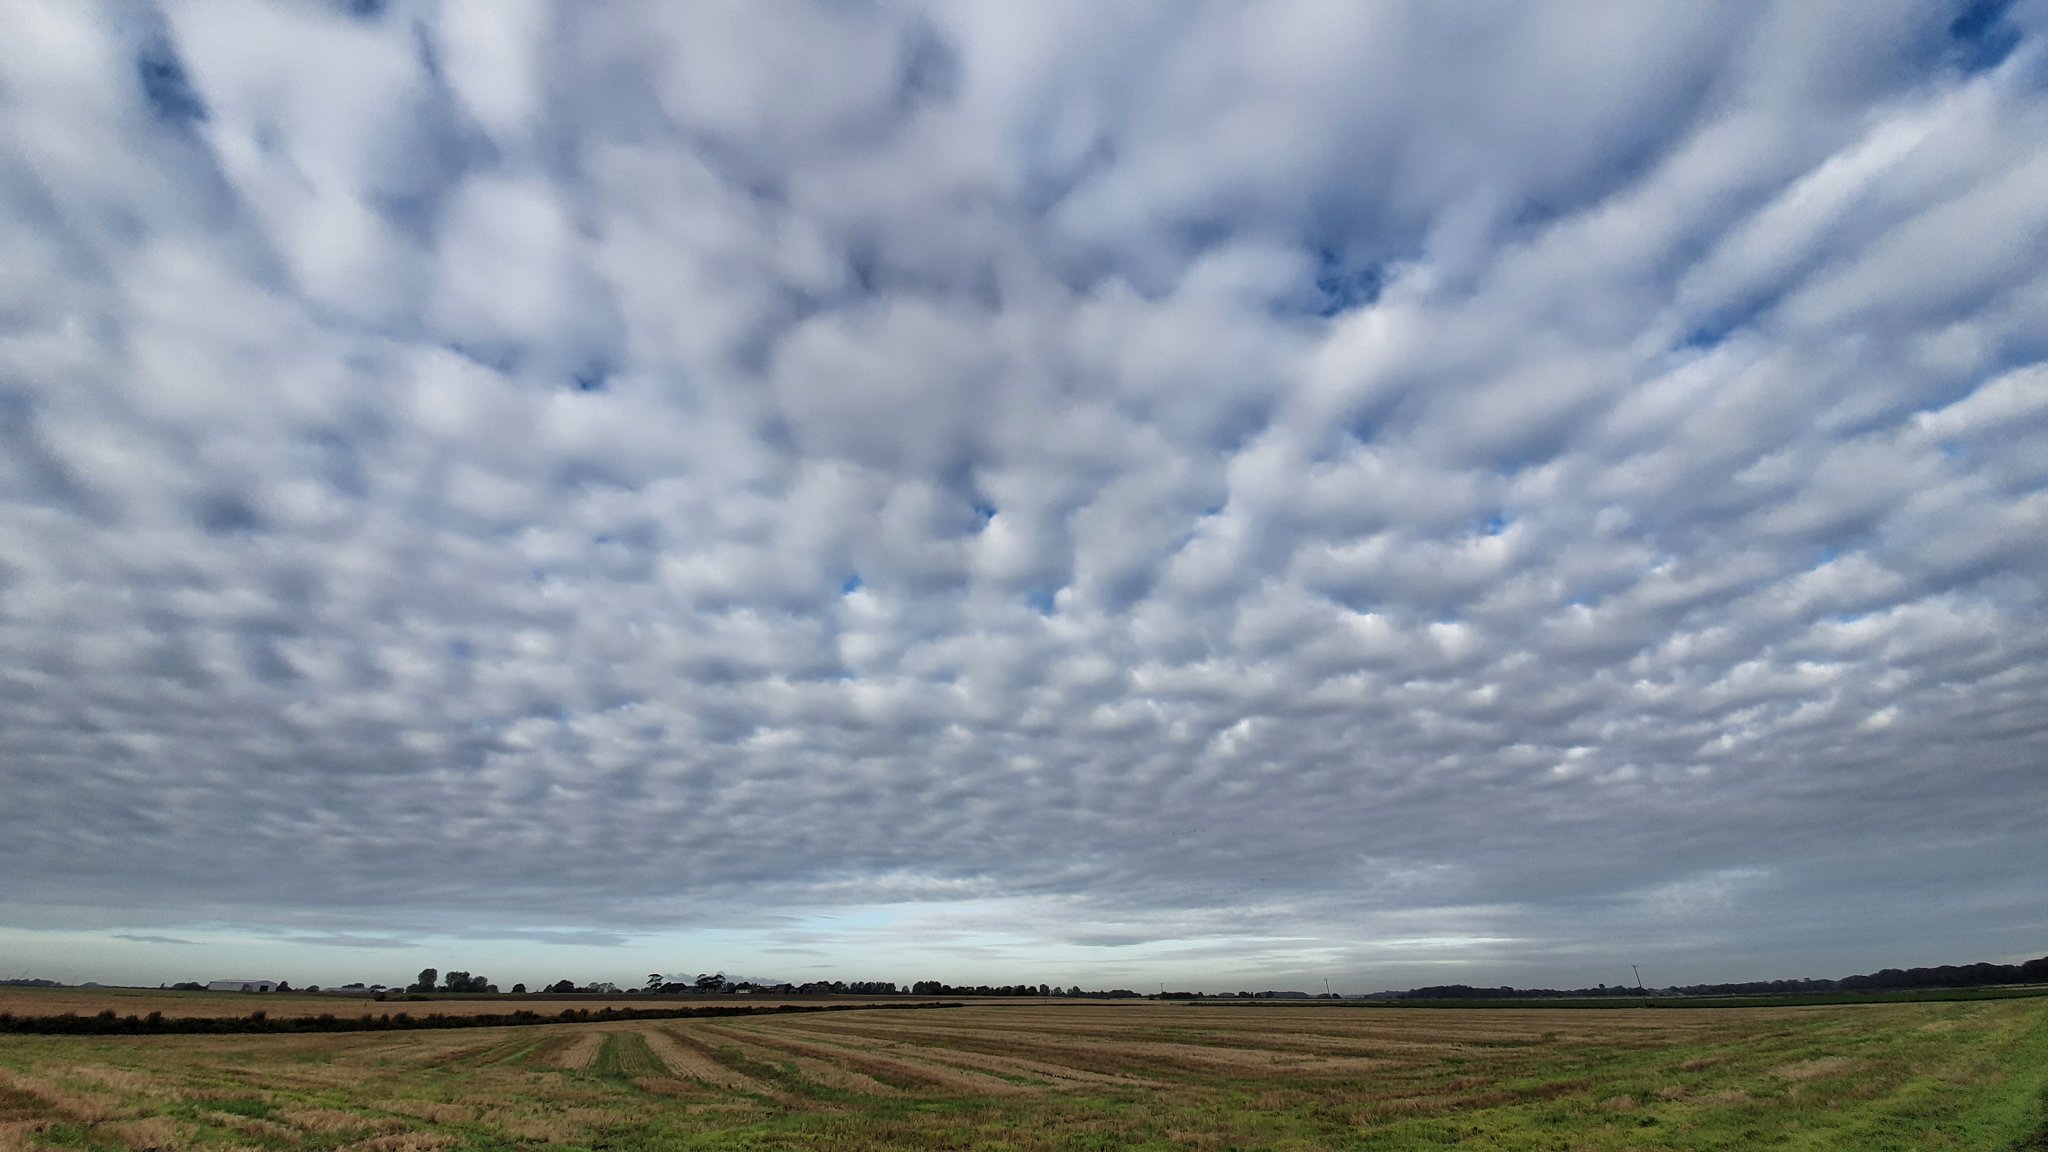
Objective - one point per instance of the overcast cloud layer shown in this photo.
(1215, 490)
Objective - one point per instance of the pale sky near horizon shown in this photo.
(1228, 495)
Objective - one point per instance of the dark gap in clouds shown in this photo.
(1710, 335)
(1196, 234)
(364, 9)
(1122, 592)
(1746, 314)
(760, 178)
(1047, 183)
(753, 351)
(1511, 452)
(503, 358)
(594, 376)
(1626, 156)
(166, 86)
(426, 155)
(1342, 286)
(339, 463)
(167, 655)
(864, 266)
(264, 662)
(33, 469)
(426, 47)
(1982, 35)
(229, 514)
(580, 475)
(930, 74)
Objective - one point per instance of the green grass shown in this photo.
(1967, 1074)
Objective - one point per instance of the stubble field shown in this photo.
(1069, 1076)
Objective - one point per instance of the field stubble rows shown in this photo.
(1021, 1076)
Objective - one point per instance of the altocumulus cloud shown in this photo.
(1292, 487)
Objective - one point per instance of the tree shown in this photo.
(519, 989)
(655, 981)
(561, 986)
(710, 982)
(284, 985)
(426, 980)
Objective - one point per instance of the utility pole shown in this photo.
(1639, 976)
(1326, 989)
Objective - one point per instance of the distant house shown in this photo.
(241, 986)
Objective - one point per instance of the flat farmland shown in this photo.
(1966, 1075)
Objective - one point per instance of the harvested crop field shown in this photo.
(1027, 1076)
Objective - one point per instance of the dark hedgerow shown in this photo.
(108, 1024)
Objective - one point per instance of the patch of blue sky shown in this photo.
(1342, 286)
(1982, 35)
(1714, 329)
(165, 84)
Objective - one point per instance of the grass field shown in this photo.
(1963, 1075)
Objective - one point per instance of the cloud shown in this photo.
(348, 940)
(1383, 481)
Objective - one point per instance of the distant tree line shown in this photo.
(1941, 976)
(453, 982)
(935, 988)
(1952, 976)
(107, 1023)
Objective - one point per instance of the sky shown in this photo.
(1204, 494)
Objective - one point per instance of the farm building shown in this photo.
(241, 986)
